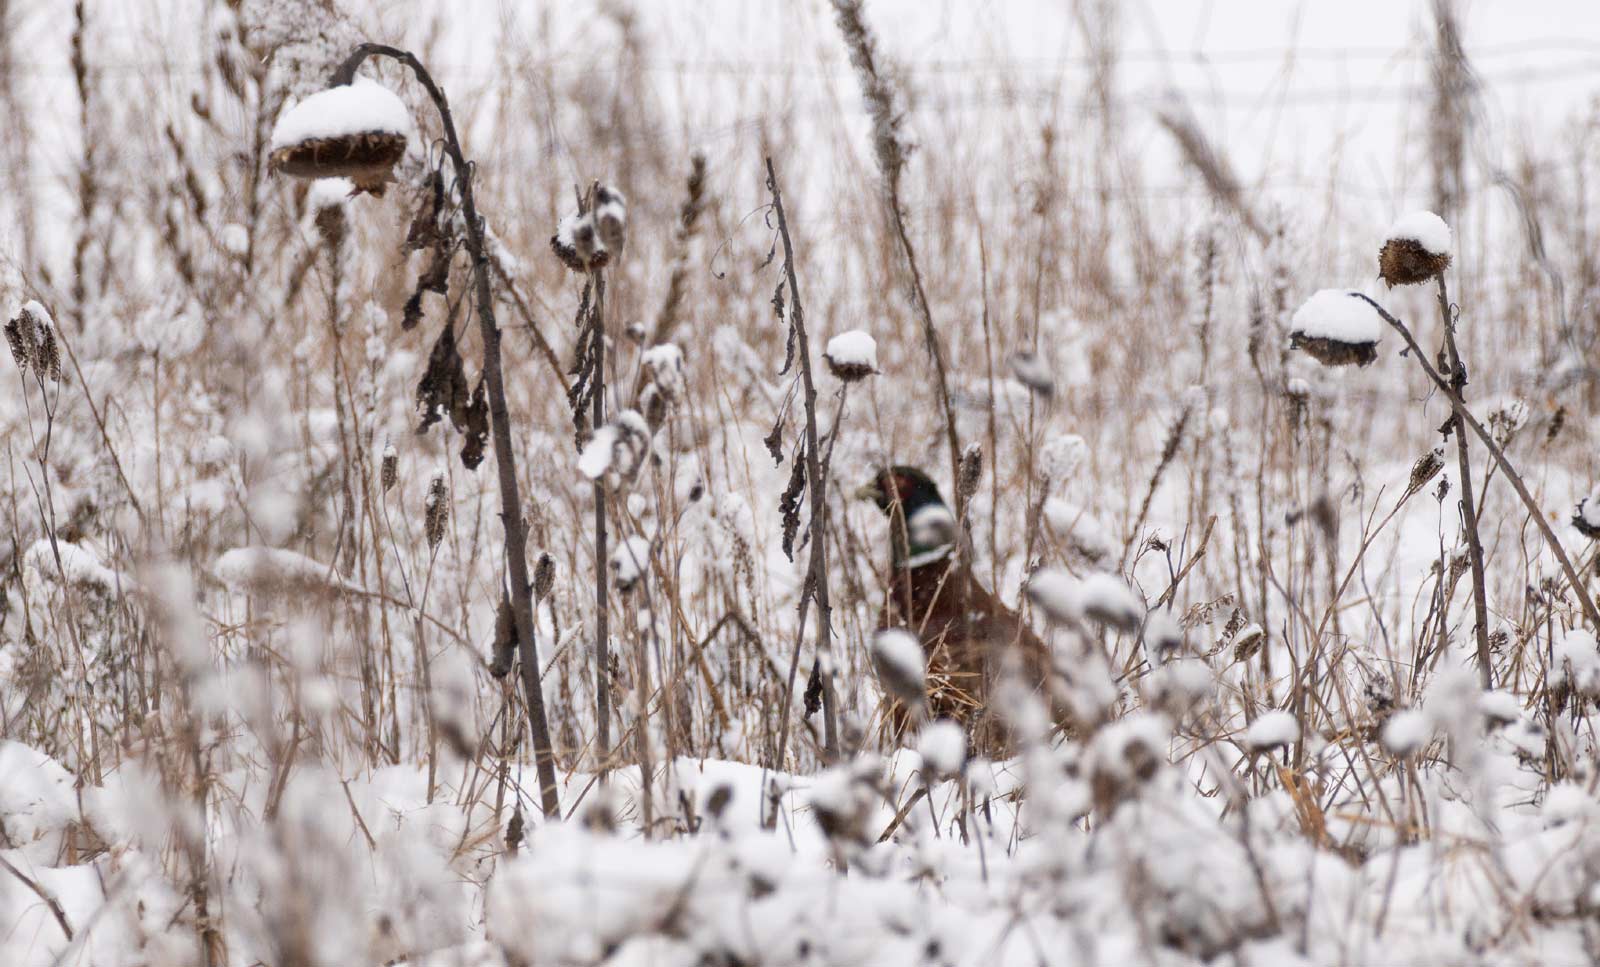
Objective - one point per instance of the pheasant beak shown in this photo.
(871, 490)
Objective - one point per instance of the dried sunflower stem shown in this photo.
(1534, 511)
(817, 573)
(1469, 511)
(505, 458)
(602, 617)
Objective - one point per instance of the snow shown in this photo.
(1107, 599)
(1500, 708)
(1163, 638)
(40, 314)
(329, 193)
(1099, 597)
(1426, 229)
(943, 747)
(1033, 371)
(1589, 510)
(269, 568)
(1055, 592)
(1062, 455)
(364, 106)
(1407, 731)
(37, 802)
(630, 561)
(1082, 531)
(1338, 315)
(596, 457)
(854, 348)
(79, 567)
(1270, 730)
(235, 238)
(898, 656)
(567, 228)
(1576, 662)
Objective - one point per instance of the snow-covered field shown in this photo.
(1108, 273)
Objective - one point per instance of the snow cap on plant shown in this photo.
(611, 218)
(357, 130)
(1586, 518)
(1032, 371)
(943, 747)
(852, 356)
(629, 563)
(897, 658)
(577, 244)
(1337, 327)
(665, 387)
(1417, 249)
(617, 450)
(589, 240)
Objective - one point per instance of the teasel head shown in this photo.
(1425, 469)
(389, 468)
(544, 576)
(611, 219)
(971, 473)
(32, 337)
(577, 243)
(436, 511)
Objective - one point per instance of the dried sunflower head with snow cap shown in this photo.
(1417, 249)
(358, 131)
(1337, 327)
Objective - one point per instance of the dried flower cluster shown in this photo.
(587, 241)
(32, 336)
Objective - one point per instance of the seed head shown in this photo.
(544, 576)
(505, 639)
(389, 468)
(32, 337)
(611, 218)
(437, 515)
(1425, 469)
(303, 148)
(971, 471)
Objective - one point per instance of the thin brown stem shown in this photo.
(817, 574)
(499, 418)
(602, 617)
(1469, 511)
(1517, 484)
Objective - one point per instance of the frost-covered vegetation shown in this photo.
(1316, 671)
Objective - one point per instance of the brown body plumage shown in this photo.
(971, 640)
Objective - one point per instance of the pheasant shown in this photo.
(966, 631)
